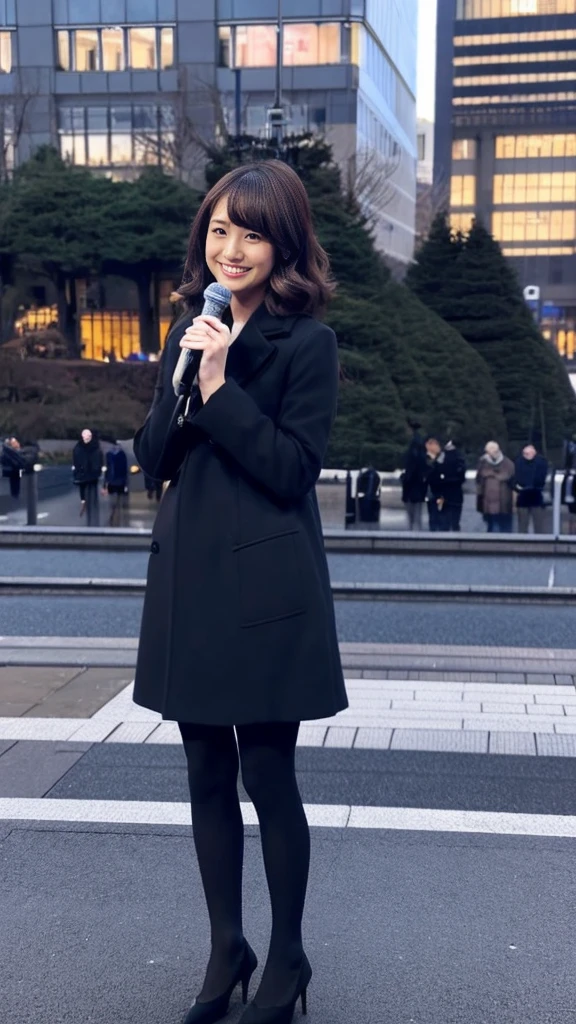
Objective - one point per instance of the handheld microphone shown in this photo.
(216, 299)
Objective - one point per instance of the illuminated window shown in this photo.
(64, 58)
(535, 97)
(522, 147)
(535, 188)
(471, 9)
(166, 48)
(461, 222)
(514, 58)
(521, 79)
(501, 38)
(86, 50)
(255, 46)
(534, 225)
(464, 149)
(113, 49)
(143, 48)
(541, 250)
(462, 190)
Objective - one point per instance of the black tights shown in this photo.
(268, 773)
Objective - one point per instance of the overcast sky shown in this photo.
(426, 58)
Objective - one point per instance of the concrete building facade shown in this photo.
(120, 83)
(505, 139)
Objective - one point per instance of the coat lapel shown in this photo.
(255, 347)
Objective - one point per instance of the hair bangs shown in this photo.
(248, 201)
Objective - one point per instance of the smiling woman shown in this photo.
(238, 640)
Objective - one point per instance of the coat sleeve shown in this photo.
(284, 456)
(151, 441)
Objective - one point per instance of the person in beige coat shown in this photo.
(494, 489)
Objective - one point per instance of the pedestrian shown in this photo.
(494, 480)
(12, 465)
(531, 471)
(86, 472)
(116, 483)
(568, 495)
(446, 476)
(415, 478)
(368, 490)
(238, 641)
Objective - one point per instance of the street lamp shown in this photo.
(276, 111)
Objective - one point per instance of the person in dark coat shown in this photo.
(86, 472)
(12, 465)
(531, 471)
(238, 641)
(116, 484)
(446, 477)
(415, 478)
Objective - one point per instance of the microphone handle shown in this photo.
(188, 361)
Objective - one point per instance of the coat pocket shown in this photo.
(270, 579)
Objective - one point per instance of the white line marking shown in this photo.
(410, 819)
(552, 577)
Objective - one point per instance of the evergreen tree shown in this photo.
(52, 226)
(148, 223)
(479, 295)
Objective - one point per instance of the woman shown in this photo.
(494, 489)
(415, 478)
(238, 641)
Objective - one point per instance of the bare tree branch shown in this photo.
(431, 199)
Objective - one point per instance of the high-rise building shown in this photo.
(505, 139)
(121, 83)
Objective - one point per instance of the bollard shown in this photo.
(31, 496)
(557, 506)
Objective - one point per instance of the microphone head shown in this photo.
(216, 299)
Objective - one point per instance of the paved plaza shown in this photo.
(443, 814)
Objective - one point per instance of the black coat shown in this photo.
(415, 475)
(530, 481)
(87, 462)
(238, 623)
(446, 477)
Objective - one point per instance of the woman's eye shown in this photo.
(219, 231)
(252, 235)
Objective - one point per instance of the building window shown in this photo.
(421, 146)
(520, 79)
(462, 190)
(535, 188)
(5, 52)
(86, 57)
(464, 149)
(118, 136)
(534, 225)
(533, 97)
(461, 222)
(514, 58)
(255, 46)
(113, 58)
(142, 48)
(115, 49)
(543, 250)
(312, 44)
(503, 38)
(471, 9)
(524, 147)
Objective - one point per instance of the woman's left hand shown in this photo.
(211, 337)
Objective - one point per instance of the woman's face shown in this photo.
(239, 259)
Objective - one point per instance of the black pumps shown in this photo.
(216, 1009)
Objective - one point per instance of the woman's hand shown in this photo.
(211, 337)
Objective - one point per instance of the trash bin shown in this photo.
(368, 495)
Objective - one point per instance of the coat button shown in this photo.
(154, 547)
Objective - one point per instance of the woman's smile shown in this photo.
(232, 270)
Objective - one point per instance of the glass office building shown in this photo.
(506, 138)
(117, 84)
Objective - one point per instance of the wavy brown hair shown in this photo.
(268, 198)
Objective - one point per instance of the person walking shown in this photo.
(494, 480)
(415, 478)
(238, 640)
(446, 476)
(531, 471)
(116, 484)
(86, 472)
(12, 463)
